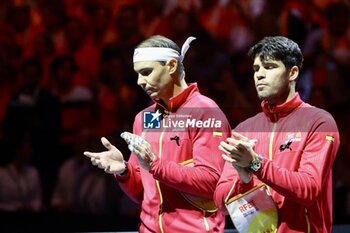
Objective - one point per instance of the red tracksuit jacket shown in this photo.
(298, 143)
(163, 208)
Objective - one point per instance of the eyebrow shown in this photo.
(143, 69)
(264, 63)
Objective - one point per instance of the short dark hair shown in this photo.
(280, 48)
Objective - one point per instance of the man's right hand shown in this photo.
(111, 161)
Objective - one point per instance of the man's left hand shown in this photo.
(238, 150)
(141, 148)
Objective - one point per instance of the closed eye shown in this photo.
(270, 65)
(146, 71)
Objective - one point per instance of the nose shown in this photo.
(260, 74)
(141, 81)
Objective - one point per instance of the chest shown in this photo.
(283, 142)
(172, 146)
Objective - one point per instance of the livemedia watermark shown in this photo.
(187, 119)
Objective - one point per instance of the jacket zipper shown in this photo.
(157, 182)
(274, 126)
(158, 186)
(307, 221)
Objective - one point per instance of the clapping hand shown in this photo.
(239, 151)
(111, 161)
(141, 148)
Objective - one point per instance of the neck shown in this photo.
(283, 98)
(178, 87)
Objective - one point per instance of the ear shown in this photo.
(293, 73)
(172, 65)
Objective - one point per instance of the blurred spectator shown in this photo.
(128, 34)
(20, 187)
(7, 87)
(75, 101)
(327, 61)
(296, 18)
(210, 67)
(181, 24)
(247, 20)
(188, 5)
(10, 51)
(20, 23)
(54, 18)
(35, 110)
(42, 48)
(127, 27)
(116, 99)
(318, 97)
(341, 173)
(85, 189)
(327, 54)
(84, 52)
(79, 8)
(151, 18)
(215, 18)
(100, 23)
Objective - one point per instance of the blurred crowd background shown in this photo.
(66, 79)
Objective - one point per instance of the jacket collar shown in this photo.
(282, 110)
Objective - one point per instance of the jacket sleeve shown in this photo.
(230, 185)
(201, 178)
(305, 183)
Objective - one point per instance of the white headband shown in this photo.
(162, 54)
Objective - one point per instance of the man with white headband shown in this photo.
(175, 161)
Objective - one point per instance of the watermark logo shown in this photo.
(151, 120)
(207, 119)
(209, 123)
